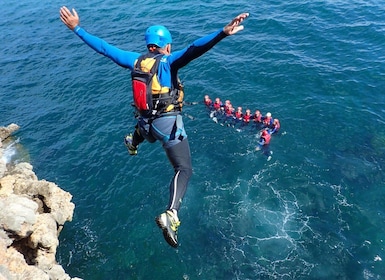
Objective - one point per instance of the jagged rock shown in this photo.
(4, 273)
(54, 200)
(19, 217)
(16, 266)
(6, 185)
(44, 233)
(5, 132)
(5, 240)
(44, 241)
(57, 272)
(23, 170)
(32, 213)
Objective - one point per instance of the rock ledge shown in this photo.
(32, 214)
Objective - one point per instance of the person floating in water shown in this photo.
(238, 114)
(264, 138)
(165, 123)
(272, 124)
(229, 115)
(267, 120)
(247, 116)
(257, 119)
(264, 142)
(218, 105)
(266, 125)
(208, 102)
(276, 126)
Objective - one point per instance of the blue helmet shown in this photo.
(158, 35)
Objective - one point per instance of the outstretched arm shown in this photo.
(123, 58)
(181, 58)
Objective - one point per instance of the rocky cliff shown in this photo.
(32, 214)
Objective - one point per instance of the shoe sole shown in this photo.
(166, 235)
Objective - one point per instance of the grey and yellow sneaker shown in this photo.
(169, 223)
(132, 150)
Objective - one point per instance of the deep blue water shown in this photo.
(316, 210)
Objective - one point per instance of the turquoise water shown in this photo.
(316, 210)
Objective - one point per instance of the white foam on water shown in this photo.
(10, 151)
(262, 229)
(86, 241)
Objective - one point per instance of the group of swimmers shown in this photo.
(265, 124)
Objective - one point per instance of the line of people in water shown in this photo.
(265, 124)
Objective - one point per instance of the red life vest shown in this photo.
(246, 118)
(266, 136)
(217, 105)
(257, 118)
(238, 115)
(267, 121)
(208, 102)
(229, 111)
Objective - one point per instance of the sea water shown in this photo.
(314, 211)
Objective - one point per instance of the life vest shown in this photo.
(217, 105)
(277, 125)
(257, 118)
(266, 136)
(150, 98)
(268, 122)
(208, 102)
(246, 118)
(229, 111)
(238, 115)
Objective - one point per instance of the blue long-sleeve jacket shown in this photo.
(168, 66)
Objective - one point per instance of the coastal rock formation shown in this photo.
(32, 214)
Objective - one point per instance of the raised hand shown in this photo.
(234, 26)
(71, 20)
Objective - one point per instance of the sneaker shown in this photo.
(169, 224)
(132, 150)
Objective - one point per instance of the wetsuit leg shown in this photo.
(180, 158)
(170, 131)
(137, 138)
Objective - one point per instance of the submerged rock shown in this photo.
(32, 214)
